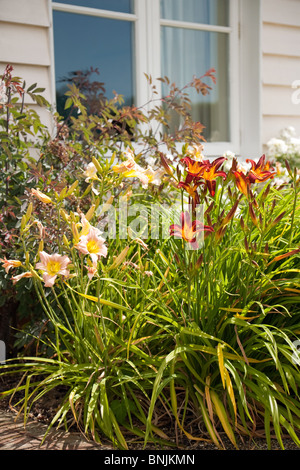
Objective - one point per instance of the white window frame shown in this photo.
(244, 65)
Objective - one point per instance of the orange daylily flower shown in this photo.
(188, 230)
(211, 173)
(191, 189)
(260, 171)
(194, 168)
(242, 182)
(197, 170)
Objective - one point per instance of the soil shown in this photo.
(44, 409)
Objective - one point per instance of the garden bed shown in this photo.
(157, 290)
(44, 410)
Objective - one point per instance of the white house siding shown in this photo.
(25, 44)
(280, 66)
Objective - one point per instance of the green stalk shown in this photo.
(294, 207)
(99, 307)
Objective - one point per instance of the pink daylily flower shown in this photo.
(15, 279)
(128, 165)
(10, 263)
(91, 172)
(92, 244)
(52, 265)
(91, 271)
(131, 169)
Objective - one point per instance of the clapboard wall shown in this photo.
(280, 65)
(25, 43)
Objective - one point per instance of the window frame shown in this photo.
(243, 30)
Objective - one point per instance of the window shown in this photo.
(179, 39)
(84, 37)
(195, 37)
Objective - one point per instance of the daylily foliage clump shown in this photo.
(194, 331)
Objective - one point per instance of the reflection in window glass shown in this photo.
(82, 42)
(123, 6)
(188, 53)
(214, 12)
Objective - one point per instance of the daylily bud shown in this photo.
(29, 211)
(288, 168)
(75, 232)
(86, 192)
(209, 221)
(165, 165)
(23, 222)
(220, 233)
(62, 194)
(230, 214)
(64, 215)
(252, 215)
(41, 196)
(90, 213)
(199, 261)
(72, 188)
(41, 246)
(107, 204)
(210, 208)
(66, 241)
(119, 259)
(266, 192)
(278, 219)
(178, 171)
(285, 255)
(97, 164)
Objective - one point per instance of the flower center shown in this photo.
(53, 267)
(92, 246)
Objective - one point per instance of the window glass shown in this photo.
(123, 6)
(82, 42)
(187, 53)
(214, 12)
